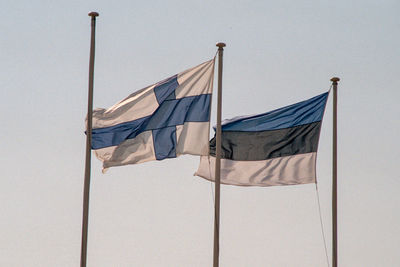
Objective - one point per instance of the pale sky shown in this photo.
(157, 213)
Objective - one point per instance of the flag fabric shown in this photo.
(164, 120)
(274, 148)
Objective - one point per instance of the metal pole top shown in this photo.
(93, 14)
(221, 45)
(335, 80)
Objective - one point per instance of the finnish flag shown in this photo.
(161, 121)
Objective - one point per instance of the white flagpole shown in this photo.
(86, 189)
(218, 158)
(334, 81)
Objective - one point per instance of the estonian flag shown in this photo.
(275, 148)
(161, 121)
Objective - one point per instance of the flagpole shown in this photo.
(334, 81)
(218, 158)
(86, 189)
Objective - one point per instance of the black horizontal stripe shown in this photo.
(268, 144)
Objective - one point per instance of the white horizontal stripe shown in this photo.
(196, 81)
(137, 150)
(138, 105)
(192, 138)
(290, 170)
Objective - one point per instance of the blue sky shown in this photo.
(158, 213)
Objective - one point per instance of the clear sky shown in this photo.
(158, 213)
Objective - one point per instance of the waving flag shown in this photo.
(274, 148)
(164, 120)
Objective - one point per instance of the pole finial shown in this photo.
(335, 80)
(221, 45)
(93, 14)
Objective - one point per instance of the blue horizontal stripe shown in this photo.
(169, 113)
(114, 135)
(178, 111)
(301, 113)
